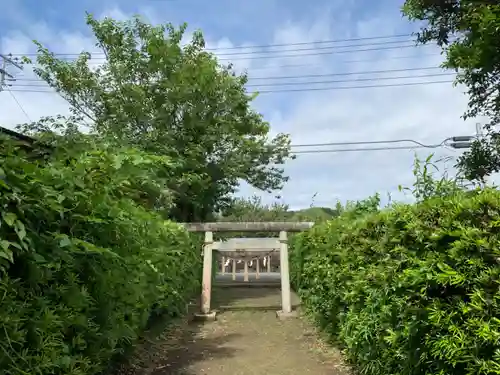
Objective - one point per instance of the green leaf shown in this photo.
(5, 252)
(39, 258)
(9, 218)
(20, 230)
(64, 241)
(65, 361)
(4, 244)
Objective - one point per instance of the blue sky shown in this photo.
(243, 20)
(427, 113)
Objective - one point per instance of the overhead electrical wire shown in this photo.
(351, 143)
(312, 65)
(320, 42)
(385, 58)
(317, 53)
(101, 55)
(349, 87)
(419, 145)
(357, 149)
(322, 46)
(383, 71)
(313, 42)
(278, 56)
(333, 88)
(298, 86)
(276, 53)
(348, 80)
(19, 104)
(314, 48)
(312, 54)
(376, 79)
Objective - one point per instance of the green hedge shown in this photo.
(83, 265)
(413, 289)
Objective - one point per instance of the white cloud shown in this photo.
(427, 113)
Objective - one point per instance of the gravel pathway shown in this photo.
(238, 343)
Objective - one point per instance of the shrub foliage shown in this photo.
(411, 289)
(83, 263)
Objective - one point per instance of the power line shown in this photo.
(349, 87)
(318, 42)
(313, 42)
(318, 53)
(19, 105)
(419, 145)
(306, 75)
(3, 74)
(287, 66)
(371, 142)
(346, 73)
(101, 55)
(386, 58)
(283, 56)
(312, 49)
(360, 149)
(348, 80)
(370, 149)
(296, 90)
(273, 84)
(375, 79)
(324, 53)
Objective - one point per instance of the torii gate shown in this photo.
(282, 227)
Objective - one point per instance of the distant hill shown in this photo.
(252, 209)
(314, 214)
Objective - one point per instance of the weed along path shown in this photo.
(246, 339)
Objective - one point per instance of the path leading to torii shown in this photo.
(246, 340)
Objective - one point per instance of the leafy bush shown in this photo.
(412, 289)
(83, 263)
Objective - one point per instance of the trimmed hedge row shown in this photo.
(413, 289)
(83, 265)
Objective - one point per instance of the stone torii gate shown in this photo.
(282, 227)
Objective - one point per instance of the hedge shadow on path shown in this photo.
(172, 348)
(179, 347)
(184, 351)
(238, 342)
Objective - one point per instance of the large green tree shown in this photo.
(172, 100)
(468, 31)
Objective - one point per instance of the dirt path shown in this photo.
(239, 343)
